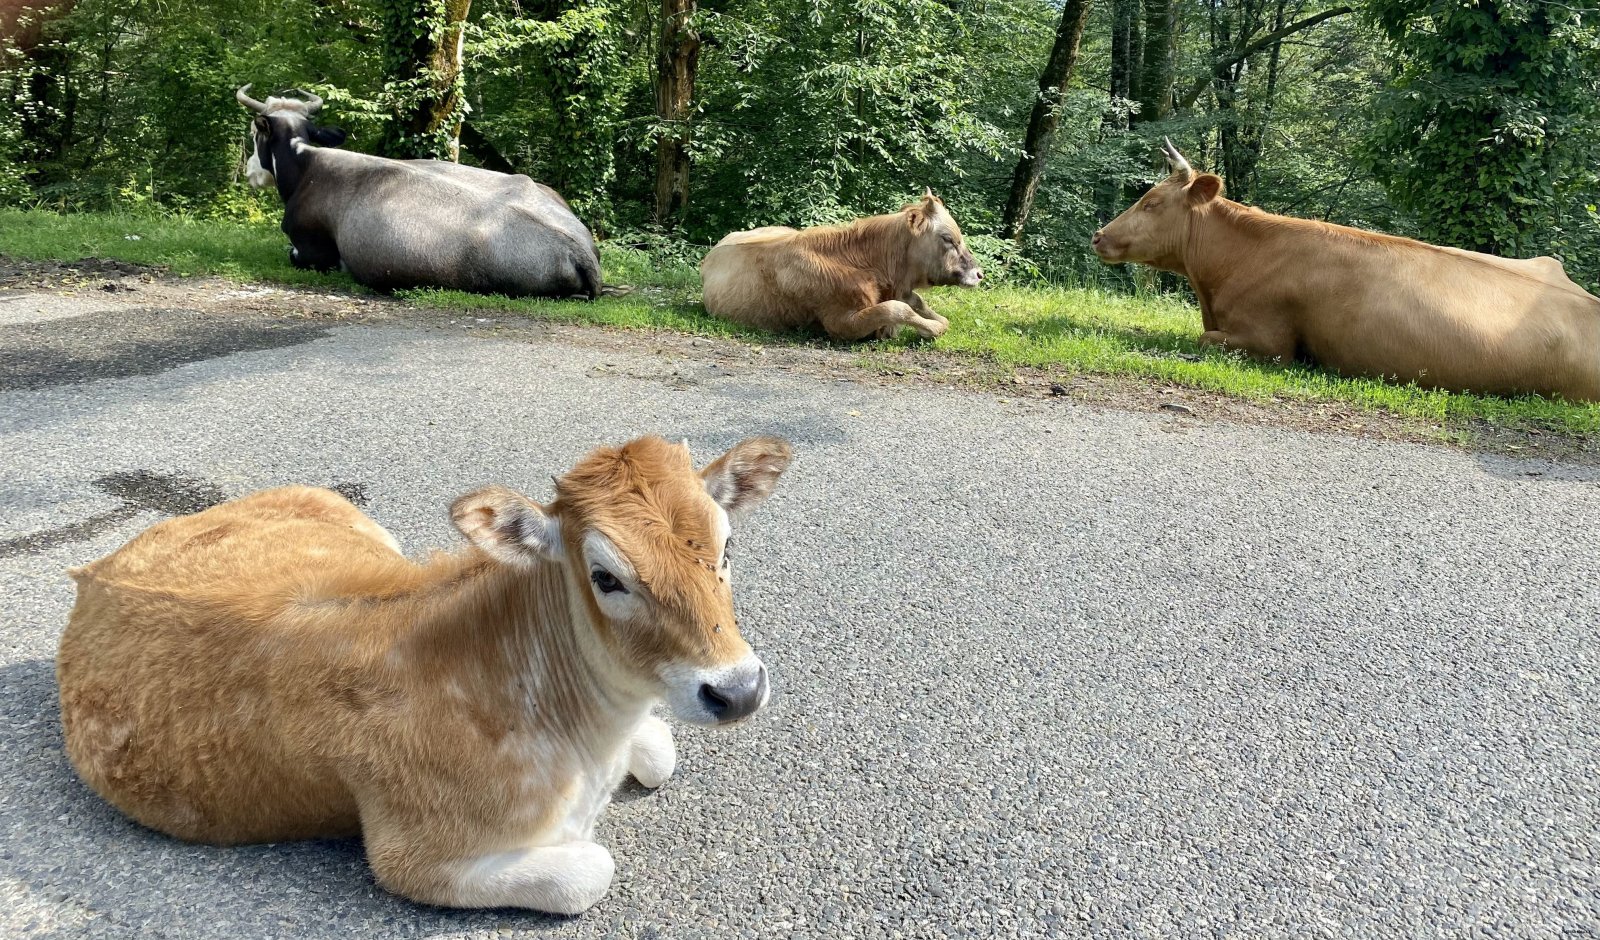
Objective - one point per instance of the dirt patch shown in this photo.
(925, 367)
(55, 275)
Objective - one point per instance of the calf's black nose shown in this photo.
(736, 700)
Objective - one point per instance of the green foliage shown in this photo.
(552, 93)
(812, 111)
(1489, 125)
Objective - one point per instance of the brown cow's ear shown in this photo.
(917, 219)
(1206, 187)
(744, 477)
(507, 525)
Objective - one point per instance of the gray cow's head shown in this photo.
(279, 131)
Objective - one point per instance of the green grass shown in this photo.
(1056, 329)
(246, 251)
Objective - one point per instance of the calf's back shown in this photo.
(193, 697)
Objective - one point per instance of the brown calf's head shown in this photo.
(1156, 228)
(645, 541)
(937, 248)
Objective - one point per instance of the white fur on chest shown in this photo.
(568, 785)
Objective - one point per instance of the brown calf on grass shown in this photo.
(274, 669)
(855, 281)
(1362, 303)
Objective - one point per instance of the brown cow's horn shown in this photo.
(243, 95)
(1175, 160)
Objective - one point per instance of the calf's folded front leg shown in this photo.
(915, 302)
(557, 879)
(881, 319)
(651, 755)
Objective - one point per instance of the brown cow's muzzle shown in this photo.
(1105, 248)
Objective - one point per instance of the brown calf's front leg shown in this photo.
(915, 302)
(874, 320)
(651, 755)
(566, 878)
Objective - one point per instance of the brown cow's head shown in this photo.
(644, 541)
(937, 248)
(1155, 229)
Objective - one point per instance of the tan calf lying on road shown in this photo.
(1361, 303)
(855, 281)
(273, 669)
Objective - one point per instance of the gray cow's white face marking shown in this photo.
(258, 176)
(255, 173)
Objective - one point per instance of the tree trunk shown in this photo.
(425, 76)
(1124, 42)
(1256, 45)
(1045, 118)
(1265, 112)
(1157, 68)
(41, 75)
(676, 61)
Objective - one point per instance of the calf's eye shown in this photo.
(606, 581)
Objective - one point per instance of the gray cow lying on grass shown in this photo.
(855, 281)
(415, 223)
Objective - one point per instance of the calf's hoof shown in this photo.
(652, 757)
(585, 881)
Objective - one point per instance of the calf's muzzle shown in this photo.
(739, 697)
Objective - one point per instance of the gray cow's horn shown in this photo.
(1175, 160)
(313, 100)
(243, 95)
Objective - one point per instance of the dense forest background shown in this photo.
(671, 122)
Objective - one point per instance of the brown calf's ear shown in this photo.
(745, 476)
(917, 219)
(509, 526)
(1206, 187)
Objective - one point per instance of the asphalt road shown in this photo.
(1039, 669)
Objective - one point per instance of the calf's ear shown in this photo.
(328, 136)
(1206, 187)
(917, 219)
(745, 476)
(509, 526)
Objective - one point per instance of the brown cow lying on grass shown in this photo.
(855, 281)
(273, 668)
(1361, 303)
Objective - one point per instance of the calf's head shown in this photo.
(1155, 229)
(938, 250)
(644, 540)
(280, 128)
